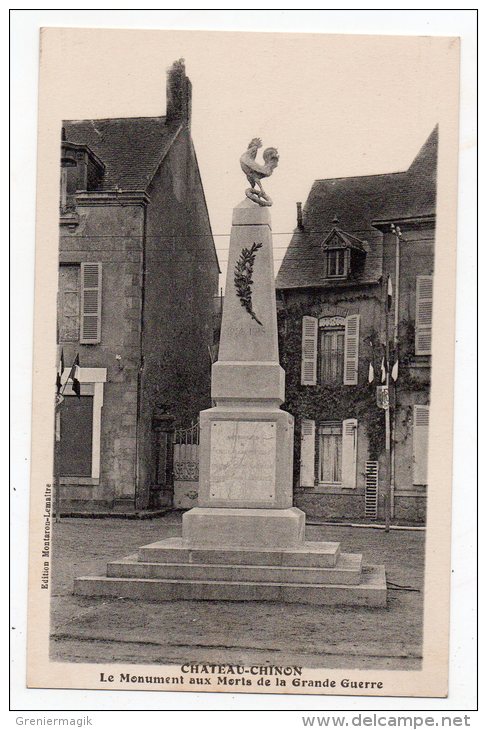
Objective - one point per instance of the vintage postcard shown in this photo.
(244, 348)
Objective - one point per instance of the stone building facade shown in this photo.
(137, 281)
(332, 291)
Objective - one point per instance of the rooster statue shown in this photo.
(255, 171)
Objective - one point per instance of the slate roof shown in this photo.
(356, 202)
(130, 148)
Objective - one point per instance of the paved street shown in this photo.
(120, 630)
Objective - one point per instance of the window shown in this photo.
(331, 349)
(68, 185)
(69, 303)
(77, 435)
(79, 303)
(330, 453)
(420, 444)
(80, 428)
(335, 262)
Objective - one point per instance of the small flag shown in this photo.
(74, 376)
(59, 373)
(371, 373)
(395, 371)
(389, 293)
(382, 371)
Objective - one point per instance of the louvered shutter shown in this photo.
(350, 365)
(90, 303)
(307, 462)
(371, 488)
(309, 351)
(420, 444)
(349, 453)
(424, 314)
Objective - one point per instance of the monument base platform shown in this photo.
(221, 527)
(309, 573)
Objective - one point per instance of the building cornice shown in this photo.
(112, 197)
(412, 223)
(332, 285)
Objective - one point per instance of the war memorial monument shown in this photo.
(245, 541)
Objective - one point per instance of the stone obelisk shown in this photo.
(246, 441)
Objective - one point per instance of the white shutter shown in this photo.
(424, 314)
(350, 365)
(307, 463)
(349, 453)
(420, 444)
(90, 303)
(309, 351)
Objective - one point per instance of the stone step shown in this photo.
(371, 591)
(308, 554)
(347, 571)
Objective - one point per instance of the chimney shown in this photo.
(178, 95)
(299, 215)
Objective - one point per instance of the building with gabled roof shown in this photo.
(138, 278)
(332, 289)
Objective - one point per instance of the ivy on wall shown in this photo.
(334, 401)
(330, 401)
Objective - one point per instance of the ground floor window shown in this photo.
(330, 453)
(80, 427)
(420, 445)
(75, 448)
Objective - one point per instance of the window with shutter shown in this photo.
(349, 453)
(420, 445)
(307, 461)
(309, 348)
(330, 454)
(424, 314)
(331, 337)
(90, 303)
(352, 333)
(69, 303)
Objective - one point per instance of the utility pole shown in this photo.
(398, 235)
(57, 448)
(387, 411)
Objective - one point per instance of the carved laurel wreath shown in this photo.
(243, 278)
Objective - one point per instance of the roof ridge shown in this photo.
(359, 177)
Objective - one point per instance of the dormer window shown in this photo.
(336, 263)
(344, 255)
(81, 171)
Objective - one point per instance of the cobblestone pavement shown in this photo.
(120, 630)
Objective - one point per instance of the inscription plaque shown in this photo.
(243, 461)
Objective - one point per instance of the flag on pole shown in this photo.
(74, 376)
(371, 373)
(389, 293)
(60, 370)
(383, 371)
(395, 371)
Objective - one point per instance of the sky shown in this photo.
(333, 105)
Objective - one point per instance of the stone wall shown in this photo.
(120, 253)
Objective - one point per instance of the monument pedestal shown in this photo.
(245, 540)
(276, 529)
